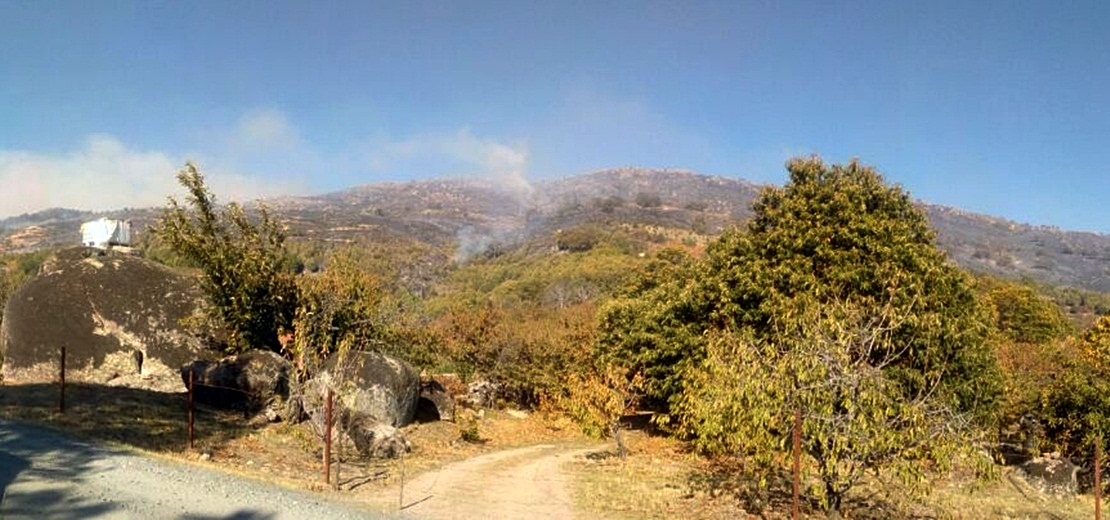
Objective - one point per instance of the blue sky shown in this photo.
(995, 107)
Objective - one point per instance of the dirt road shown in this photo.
(521, 483)
(46, 474)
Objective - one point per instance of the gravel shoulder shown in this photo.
(46, 474)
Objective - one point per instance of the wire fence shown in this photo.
(323, 422)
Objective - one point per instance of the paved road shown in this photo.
(45, 474)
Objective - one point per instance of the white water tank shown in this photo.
(105, 232)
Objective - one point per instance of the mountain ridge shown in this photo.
(446, 211)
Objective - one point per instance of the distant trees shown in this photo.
(15, 270)
(337, 310)
(646, 199)
(246, 276)
(835, 300)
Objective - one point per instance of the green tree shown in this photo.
(1022, 315)
(836, 289)
(1074, 405)
(246, 278)
(827, 363)
(833, 233)
(1030, 343)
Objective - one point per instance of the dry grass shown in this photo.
(653, 481)
(142, 419)
(286, 454)
(660, 479)
(1008, 497)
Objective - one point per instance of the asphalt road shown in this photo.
(46, 474)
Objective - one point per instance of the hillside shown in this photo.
(470, 216)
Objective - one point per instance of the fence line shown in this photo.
(327, 436)
(192, 409)
(62, 381)
(1098, 477)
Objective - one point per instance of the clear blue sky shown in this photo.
(995, 107)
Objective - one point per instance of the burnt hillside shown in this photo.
(469, 215)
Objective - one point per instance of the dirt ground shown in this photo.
(512, 468)
(525, 482)
(520, 465)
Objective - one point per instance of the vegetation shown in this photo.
(250, 289)
(15, 270)
(833, 300)
(1075, 403)
(837, 301)
(337, 310)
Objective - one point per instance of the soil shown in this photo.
(519, 483)
(512, 471)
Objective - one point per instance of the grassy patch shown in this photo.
(1008, 497)
(150, 421)
(660, 479)
(651, 482)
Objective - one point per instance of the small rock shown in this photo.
(517, 414)
(204, 456)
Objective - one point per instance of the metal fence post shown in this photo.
(192, 408)
(338, 459)
(62, 382)
(1098, 478)
(796, 511)
(327, 436)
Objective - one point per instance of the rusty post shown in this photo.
(62, 382)
(327, 436)
(192, 409)
(338, 459)
(1098, 478)
(401, 498)
(796, 512)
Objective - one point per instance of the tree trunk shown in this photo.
(835, 499)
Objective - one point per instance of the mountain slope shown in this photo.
(471, 215)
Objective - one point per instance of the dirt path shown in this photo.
(520, 483)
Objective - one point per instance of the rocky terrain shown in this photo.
(118, 316)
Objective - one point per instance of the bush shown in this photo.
(1076, 404)
(648, 200)
(249, 288)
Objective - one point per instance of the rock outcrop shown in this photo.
(254, 381)
(1051, 475)
(118, 317)
(372, 390)
(436, 403)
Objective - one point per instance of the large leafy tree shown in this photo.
(250, 287)
(834, 300)
(828, 364)
(834, 233)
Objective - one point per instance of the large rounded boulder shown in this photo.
(254, 381)
(118, 317)
(374, 395)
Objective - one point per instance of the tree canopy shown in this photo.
(834, 233)
(835, 299)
